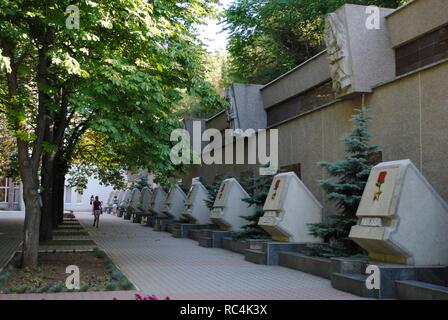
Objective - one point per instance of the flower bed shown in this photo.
(97, 273)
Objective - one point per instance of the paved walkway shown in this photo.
(11, 234)
(162, 265)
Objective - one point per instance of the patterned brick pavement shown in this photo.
(11, 226)
(162, 265)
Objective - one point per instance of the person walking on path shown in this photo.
(97, 210)
(115, 205)
(92, 199)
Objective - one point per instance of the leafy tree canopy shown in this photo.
(270, 37)
(121, 74)
(99, 95)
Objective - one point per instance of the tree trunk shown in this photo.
(48, 176)
(28, 168)
(58, 192)
(58, 200)
(29, 177)
(31, 228)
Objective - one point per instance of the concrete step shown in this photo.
(194, 234)
(186, 230)
(419, 290)
(176, 233)
(255, 256)
(318, 266)
(161, 224)
(136, 218)
(206, 242)
(127, 216)
(176, 226)
(353, 283)
(206, 233)
(234, 245)
(150, 221)
(176, 230)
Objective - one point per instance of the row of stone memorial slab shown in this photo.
(402, 221)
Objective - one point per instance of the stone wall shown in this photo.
(410, 117)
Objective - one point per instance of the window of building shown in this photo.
(303, 103)
(68, 194)
(16, 199)
(4, 190)
(423, 51)
(78, 197)
(376, 158)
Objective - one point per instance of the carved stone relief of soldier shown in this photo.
(338, 53)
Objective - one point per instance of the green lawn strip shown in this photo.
(67, 243)
(119, 279)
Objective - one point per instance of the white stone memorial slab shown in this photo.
(289, 207)
(126, 197)
(135, 198)
(401, 218)
(229, 206)
(175, 202)
(110, 200)
(195, 208)
(121, 196)
(158, 200)
(145, 200)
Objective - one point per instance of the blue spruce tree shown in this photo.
(258, 188)
(345, 187)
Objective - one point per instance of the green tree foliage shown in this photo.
(8, 153)
(345, 187)
(217, 72)
(208, 97)
(269, 37)
(117, 77)
(141, 182)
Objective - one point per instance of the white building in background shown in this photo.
(81, 202)
(11, 195)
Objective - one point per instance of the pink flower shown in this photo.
(138, 297)
(149, 297)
